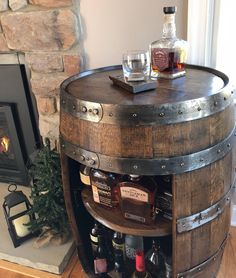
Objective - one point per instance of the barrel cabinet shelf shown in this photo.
(114, 220)
(184, 129)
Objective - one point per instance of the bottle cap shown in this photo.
(140, 263)
(169, 10)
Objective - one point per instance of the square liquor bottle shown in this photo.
(137, 198)
(169, 54)
(104, 187)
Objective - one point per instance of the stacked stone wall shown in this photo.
(47, 32)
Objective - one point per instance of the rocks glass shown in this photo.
(136, 65)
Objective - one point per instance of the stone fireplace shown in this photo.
(41, 37)
(46, 32)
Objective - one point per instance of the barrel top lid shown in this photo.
(95, 86)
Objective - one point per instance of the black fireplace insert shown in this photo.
(19, 136)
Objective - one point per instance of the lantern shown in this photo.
(17, 209)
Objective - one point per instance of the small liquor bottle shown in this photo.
(104, 188)
(140, 271)
(155, 260)
(169, 54)
(137, 198)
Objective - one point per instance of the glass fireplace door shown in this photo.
(12, 164)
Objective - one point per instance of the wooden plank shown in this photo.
(198, 190)
(148, 141)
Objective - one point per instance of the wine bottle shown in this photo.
(101, 257)
(132, 244)
(119, 264)
(168, 267)
(140, 271)
(118, 242)
(154, 260)
(95, 232)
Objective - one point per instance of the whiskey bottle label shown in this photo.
(160, 58)
(101, 196)
(95, 194)
(85, 179)
(133, 193)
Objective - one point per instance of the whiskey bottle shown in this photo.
(169, 54)
(164, 197)
(104, 188)
(137, 198)
(85, 174)
(155, 260)
(140, 271)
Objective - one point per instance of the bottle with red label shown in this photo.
(141, 271)
(137, 198)
(169, 54)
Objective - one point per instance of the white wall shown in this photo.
(110, 27)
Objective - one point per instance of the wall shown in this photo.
(110, 27)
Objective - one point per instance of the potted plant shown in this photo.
(47, 195)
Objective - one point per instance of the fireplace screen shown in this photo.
(11, 150)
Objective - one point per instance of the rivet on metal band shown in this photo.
(78, 154)
(205, 265)
(198, 219)
(155, 166)
(85, 110)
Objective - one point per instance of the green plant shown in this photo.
(47, 192)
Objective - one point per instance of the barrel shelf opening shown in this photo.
(114, 220)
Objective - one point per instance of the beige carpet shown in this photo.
(51, 258)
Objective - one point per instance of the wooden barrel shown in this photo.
(184, 128)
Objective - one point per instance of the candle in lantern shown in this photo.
(21, 229)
